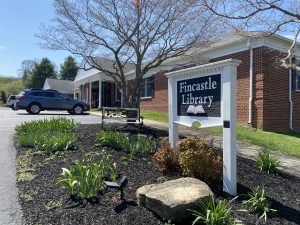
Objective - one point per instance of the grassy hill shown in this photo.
(10, 85)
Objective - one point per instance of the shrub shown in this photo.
(165, 158)
(265, 161)
(196, 159)
(258, 201)
(3, 97)
(85, 178)
(213, 213)
(193, 143)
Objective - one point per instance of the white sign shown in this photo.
(206, 95)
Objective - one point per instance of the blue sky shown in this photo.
(19, 21)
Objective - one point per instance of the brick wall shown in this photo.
(242, 83)
(270, 106)
(276, 92)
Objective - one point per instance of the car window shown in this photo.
(60, 95)
(49, 94)
(36, 93)
(13, 97)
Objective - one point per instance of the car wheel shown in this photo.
(70, 112)
(78, 109)
(34, 108)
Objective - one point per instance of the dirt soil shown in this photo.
(107, 208)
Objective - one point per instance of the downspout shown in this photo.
(250, 82)
(290, 99)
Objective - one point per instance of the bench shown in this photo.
(125, 115)
(119, 186)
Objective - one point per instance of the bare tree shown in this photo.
(271, 16)
(26, 67)
(142, 33)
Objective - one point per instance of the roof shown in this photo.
(105, 63)
(63, 86)
(214, 44)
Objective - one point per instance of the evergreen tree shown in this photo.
(41, 71)
(68, 70)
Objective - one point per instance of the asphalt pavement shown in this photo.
(10, 210)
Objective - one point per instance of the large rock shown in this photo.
(170, 200)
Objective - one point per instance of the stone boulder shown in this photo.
(171, 199)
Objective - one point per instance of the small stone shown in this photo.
(171, 199)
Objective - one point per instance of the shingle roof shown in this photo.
(63, 86)
(105, 63)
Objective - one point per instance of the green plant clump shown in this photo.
(56, 142)
(258, 201)
(113, 172)
(213, 213)
(55, 134)
(122, 142)
(265, 161)
(85, 178)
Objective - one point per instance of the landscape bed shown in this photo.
(43, 201)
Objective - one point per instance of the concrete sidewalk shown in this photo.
(289, 164)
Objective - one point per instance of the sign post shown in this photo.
(206, 95)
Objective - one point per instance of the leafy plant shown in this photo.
(197, 159)
(28, 195)
(59, 124)
(24, 168)
(213, 213)
(113, 172)
(265, 161)
(145, 145)
(85, 178)
(56, 142)
(165, 158)
(113, 139)
(53, 205)
(258, 201)
(50, 135)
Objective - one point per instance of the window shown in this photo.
(36, 93)
(296, 76)
(60, 95)
(118, 93)
(49, 94)
(147, 89)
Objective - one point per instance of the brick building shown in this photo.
(268, 95)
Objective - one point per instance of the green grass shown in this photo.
(156, 116)
(11, 86)
(287, 143)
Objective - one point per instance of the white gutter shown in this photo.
(290, 100)
(251, 82)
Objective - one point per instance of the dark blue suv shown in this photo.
(36, 100)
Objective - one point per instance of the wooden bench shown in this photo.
(125, 115)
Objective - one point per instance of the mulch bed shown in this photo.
(284, 190)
